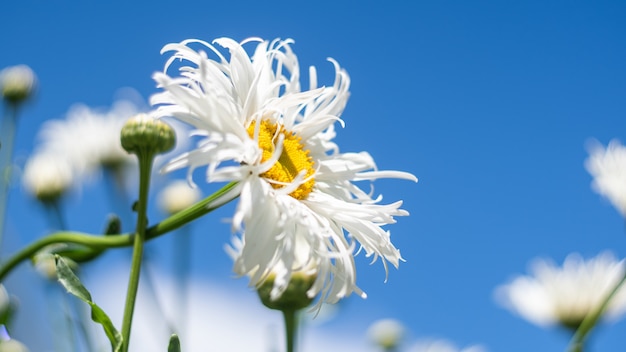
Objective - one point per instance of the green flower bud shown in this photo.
(144, 134)
(17, 83)
(295, 296)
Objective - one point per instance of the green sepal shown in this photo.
(174, 345)
(72, 284)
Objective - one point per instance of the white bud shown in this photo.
(386, 333)
(47, 176)
(12, 345)
(17, 83)
(177, 196)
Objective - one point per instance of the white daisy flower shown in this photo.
(608, 168)
(565, 295)
(89, 138)
(275, 140)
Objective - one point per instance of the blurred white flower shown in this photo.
(565, 295)
(177, 196)
(89, 138)
(47, 176)
(275, 140)
(608, 168)
(442, 346)
(386, 333)
(17, 83)
(12, 346)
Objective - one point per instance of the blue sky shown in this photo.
(489, 103)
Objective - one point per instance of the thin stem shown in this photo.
(99, 243)
(145, 170)
(7, 137)
(291, 328)
(590, 321)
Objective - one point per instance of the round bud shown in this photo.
(295, 296)
(17, 83)
(144, 134)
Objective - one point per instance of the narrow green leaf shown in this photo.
(174, 345)
(72, 284)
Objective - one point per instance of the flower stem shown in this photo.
(100, 243)
(7, 137)
(590, 321)
(145, 168)
(291, 328)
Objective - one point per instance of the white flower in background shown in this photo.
(275, 140)
(386, 333)
(12, 345)
(47, 176)
(442, 346)
(89, 138)
(608, 168)
(177, 196)
(565, 295)
(17, 83)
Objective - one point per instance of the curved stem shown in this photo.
(291, 328)
(98, 242)
(145, 168)
(591, 320)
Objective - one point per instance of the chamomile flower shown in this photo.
(89, 138)
(275, 140)
(566, 295)
(608, 168)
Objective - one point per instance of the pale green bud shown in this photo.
(144, 134)
(295, 296)
(17, 83)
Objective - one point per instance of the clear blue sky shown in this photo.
(489, 103)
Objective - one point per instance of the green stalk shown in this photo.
(291, 328)
(100, 243)
(145, 170)
(590, 321)
(7, 137)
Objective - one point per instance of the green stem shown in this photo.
(145, 169)
(99, 243)
(7, 137)
(291, 328)
(590, 321)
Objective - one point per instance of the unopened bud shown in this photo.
(144, 134)
(294, 297)
(17, 83)
(177, 196)
(12, 345)
(47, 177)
(386, 333)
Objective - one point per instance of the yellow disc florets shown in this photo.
(292, 161)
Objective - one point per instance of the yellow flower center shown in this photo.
(293, 159)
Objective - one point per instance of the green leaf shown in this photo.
(174, 345)
(72, 284)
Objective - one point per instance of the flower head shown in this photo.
(386, 333)
(565, 295)
(17, 83)
(608, 168)
(47, 176)
(177, 196)
(89, 138)
(276, 141)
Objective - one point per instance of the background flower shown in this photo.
(565, 295)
